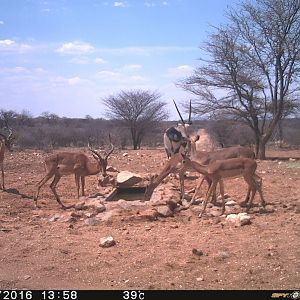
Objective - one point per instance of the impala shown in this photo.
(5, 144)
(204, 157)
(77, 163)
(218, 170)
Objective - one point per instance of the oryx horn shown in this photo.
(183, 123)
(190, 113)
(112, 147)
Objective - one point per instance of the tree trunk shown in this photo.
(261, 150)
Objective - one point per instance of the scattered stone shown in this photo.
(91, 221)
(200, 278)
(297, 210)
(215, 211)
(80, 205)
(149, 214)
(125, 154)
(223, 255)
(54, 218)
(76, 214)
(95, 205)
(106, 242)
(108, 215)
(269, 208)
(26, 277)
(231, 203)
(197, 252)
(244, 219)
(239, 219)
(164, 211)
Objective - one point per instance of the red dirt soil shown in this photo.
(37, 253)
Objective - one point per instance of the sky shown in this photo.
(64, 57)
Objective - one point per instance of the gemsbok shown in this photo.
(176, 138)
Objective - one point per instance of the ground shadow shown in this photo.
(16, 192)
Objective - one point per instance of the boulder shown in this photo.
(128, 179)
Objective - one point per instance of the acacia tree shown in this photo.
(252, 73)
(140, 111)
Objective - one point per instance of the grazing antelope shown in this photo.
(176, 138)
(203, 157)
(66, 163)
(5, 144)
(218, 170)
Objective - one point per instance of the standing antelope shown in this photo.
(228, 168)
(203, 157)
(175, 138)
(5, 144)
(66, 163)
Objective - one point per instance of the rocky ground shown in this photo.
(122, 244)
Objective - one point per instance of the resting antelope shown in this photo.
(228, 168)
(176, 138)
(5, 144)
(66, 163)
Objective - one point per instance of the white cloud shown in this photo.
(75, 48)
(12, 46)
(107, 75)
(74, 81)
(80, 60)
(180, 71)
(99, 61)
(7, 42)
(150, 4)
(145, 51)
(132, 67)
(165, 3)
(120, 4)
(1, 23)
(112, 77)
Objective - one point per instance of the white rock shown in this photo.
(106, 242)
(231, 203)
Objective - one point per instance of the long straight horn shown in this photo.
(190, 113)
(183, 123)
(10, 134)
(112, 148)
